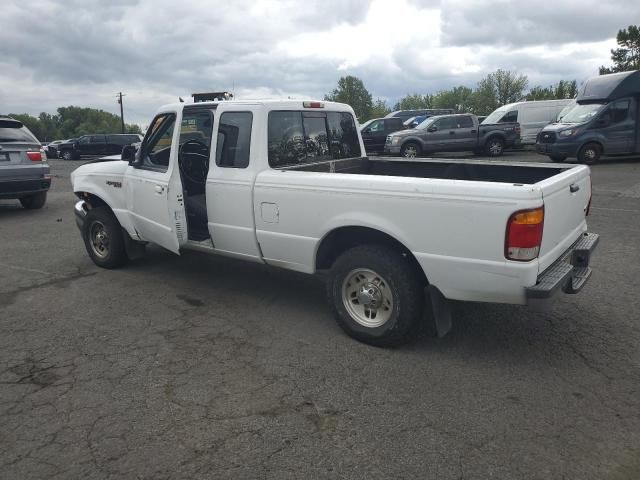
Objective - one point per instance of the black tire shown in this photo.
(398, 277)
(34, 202)
(408, 148)
(589, 154)
(558, 158)
(109, 250)
(494, 147)
(67, 155)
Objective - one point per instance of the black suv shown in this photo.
(94, 145)
(374, 132)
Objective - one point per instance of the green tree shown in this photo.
(32, 123)
(627, 57)
(351, 90)
(563, 89)
(459, 98)
(379, 109)
(414, 101)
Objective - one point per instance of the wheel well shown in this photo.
(344, 238)
(93, 200)
(495, 135)
(595, 142)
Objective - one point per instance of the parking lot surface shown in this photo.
(206, 367)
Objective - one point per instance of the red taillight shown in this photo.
(524, 234)
(35, 156)
(517, 129)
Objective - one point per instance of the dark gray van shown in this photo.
(604, 121)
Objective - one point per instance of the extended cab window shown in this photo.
(156, 148)
(234, 139)
(307, 137)
(465, 122)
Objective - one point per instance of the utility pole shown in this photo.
(119, 96)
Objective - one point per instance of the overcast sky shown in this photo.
(82, 52)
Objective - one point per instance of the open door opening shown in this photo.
(193, 160)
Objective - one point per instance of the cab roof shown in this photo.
(271, 104)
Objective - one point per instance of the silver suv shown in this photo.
(24, 171)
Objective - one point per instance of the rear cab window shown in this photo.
(300, 137)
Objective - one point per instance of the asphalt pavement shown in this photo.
(203, 367)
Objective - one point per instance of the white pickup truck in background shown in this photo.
(287, 183)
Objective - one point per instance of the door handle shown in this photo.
(473, 131)
(158, 189)
(574, 188)
(452, 132)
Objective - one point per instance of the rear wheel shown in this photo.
(410, 150)
(494, 147)
(589, 154)
(33, 202)
(103, 238)
(558, 158)
(376, 295)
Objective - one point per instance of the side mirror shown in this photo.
(366, 130)
(604, 120)
(128, 154)
(432, 129)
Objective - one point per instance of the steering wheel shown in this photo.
(194, 161)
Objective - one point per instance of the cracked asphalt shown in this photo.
(200, 367)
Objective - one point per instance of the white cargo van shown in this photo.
(532, 116)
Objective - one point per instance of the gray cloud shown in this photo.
(83, 52)
(531, 22)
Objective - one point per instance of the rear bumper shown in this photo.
(569, 273)
(23, 188)
(80, 211)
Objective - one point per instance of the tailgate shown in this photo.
(566, 196)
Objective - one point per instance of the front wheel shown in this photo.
(376, 295)
(67, 155)
(410, 150)
(34, 202)
(494, 147)
(589, 154)
(103, 238)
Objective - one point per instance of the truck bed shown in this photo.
(474, 170)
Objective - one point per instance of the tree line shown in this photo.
(72, 122)
(494, 90)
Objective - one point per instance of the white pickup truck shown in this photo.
(287, 183)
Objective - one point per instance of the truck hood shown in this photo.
(107, 166)
(406, 133)
(556, 127)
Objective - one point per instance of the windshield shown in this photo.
(426, 123)
(495, 116)
(564, 111)
(582, 113)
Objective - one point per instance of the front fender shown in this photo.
(107, 183)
